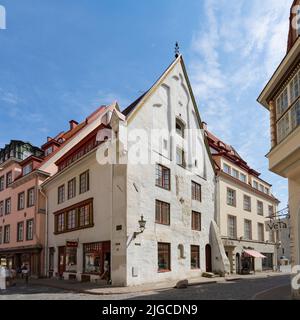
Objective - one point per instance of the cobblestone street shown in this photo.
(271, 288)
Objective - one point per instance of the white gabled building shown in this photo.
(161, 172)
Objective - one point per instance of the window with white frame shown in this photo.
(271, 210)
(294, 88)
(231, 224)
(255, 184)
(261, 233)
(231, 197)
(243, 177)
(261, 188)
(31, 197)
(180, 158)
(260, 208)
(6, 234)
(248, 229)
(282, 102)
(235, 173)
(247, 203)
(48, 151)
(226, 168)
(295, 115)
(27, 169)
(283, 127)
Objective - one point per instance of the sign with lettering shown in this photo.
(274, 225)
(72, 244)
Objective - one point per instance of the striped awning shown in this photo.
(254, 254)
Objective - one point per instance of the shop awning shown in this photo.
(254, 254)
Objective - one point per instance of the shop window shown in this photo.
(97, 257)
(71, 259)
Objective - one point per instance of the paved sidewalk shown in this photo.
(91, 288)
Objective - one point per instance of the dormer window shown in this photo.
(180, 127)
(48, 151)
(27, 169)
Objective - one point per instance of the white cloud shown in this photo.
(235, 51)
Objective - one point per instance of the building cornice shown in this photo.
(28, 177)
(248, 187)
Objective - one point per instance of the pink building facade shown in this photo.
(21, 208)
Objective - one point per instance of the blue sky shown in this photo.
(60, 59)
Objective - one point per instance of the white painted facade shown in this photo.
(125, 191)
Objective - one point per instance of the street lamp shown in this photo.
(142, 224)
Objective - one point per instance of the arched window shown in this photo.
(181, 251)
(180, 127)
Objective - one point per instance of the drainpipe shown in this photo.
(46, 236)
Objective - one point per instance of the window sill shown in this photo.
(164, 271)
(167, 189)
(68, 231)
(163, 224)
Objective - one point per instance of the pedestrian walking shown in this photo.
(25, 272)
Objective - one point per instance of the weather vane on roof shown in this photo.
(177, 53)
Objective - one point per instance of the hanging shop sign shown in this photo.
(274, 225)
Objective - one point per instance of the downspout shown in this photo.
(46, 227)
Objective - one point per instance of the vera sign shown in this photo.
(275, 225)
(2, 18)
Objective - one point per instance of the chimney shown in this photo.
(204, 124)
(73, 124)
(49, 139)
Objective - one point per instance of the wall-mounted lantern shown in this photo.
(142, 225)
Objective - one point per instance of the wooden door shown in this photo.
(61, 260)
(208, 258)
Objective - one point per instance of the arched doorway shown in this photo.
(208, 258)
(238, 263)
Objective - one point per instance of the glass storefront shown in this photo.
(95, 255)
(71, 259)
